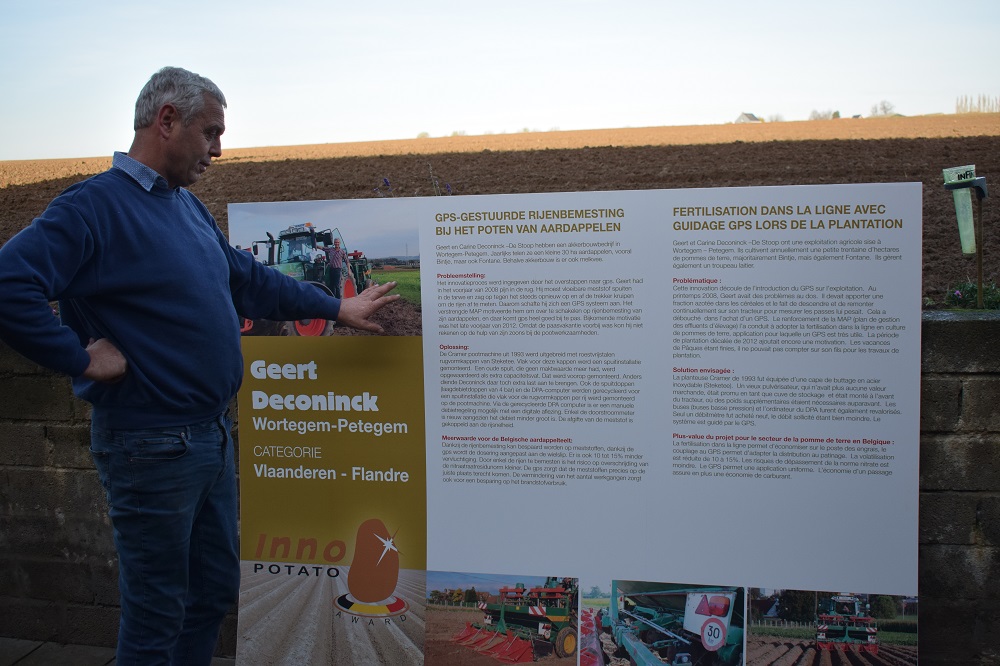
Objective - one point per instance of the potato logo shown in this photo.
(374, 570)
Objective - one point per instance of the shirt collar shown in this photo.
(144, 175)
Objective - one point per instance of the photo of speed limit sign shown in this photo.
(713, 634)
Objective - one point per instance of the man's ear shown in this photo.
(167, 119)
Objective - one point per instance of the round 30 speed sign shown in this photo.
(713, 634)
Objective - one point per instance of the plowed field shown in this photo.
(788, 652)
(809, 152)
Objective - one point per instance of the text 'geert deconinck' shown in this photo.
(329, 401)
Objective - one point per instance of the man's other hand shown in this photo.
(106, 363)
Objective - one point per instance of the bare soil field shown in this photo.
(867, 150)
(789, 652)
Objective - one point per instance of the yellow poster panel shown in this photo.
(332, 465)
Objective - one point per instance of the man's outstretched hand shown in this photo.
(354, 312)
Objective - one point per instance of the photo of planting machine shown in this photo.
(844, 623)
(654, 623)
(525, 624)
(298, 252)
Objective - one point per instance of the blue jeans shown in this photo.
(172, 502)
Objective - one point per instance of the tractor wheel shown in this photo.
(566, 642)
(307, 327)
(349, 290)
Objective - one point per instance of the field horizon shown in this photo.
(815, 152)
(22, 172)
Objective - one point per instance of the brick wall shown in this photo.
(960, 489)
(58, 576)
(58, 570)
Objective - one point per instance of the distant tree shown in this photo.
(822, 115)
(457, 595)
(981, 104)
(775, 118)
(884, 608)
(797, 605)
(595, 592)
(883, 108)
(470, 595)
(458, 133)
(423, 135)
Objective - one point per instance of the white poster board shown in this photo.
(715, 387)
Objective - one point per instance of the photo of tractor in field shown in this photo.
(830, 628)
(649, 623)
(303, 252)
(844, 622)
(523, 623)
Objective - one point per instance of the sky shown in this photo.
(442, 580)
(306, 72)
(379, 227)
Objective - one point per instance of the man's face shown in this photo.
(192, 146)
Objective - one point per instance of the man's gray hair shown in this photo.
(173, 85)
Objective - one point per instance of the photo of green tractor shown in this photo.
(321, 258)
(830, 628)
(511, 620)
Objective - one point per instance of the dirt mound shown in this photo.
(815, 152)
(398, 318)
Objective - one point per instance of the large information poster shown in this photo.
(644, 414)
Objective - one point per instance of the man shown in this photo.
(337, 259)
(152, 341)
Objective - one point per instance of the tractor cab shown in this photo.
(298, 247)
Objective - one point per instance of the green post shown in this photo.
(960, 180)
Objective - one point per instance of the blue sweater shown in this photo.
(153, 273)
